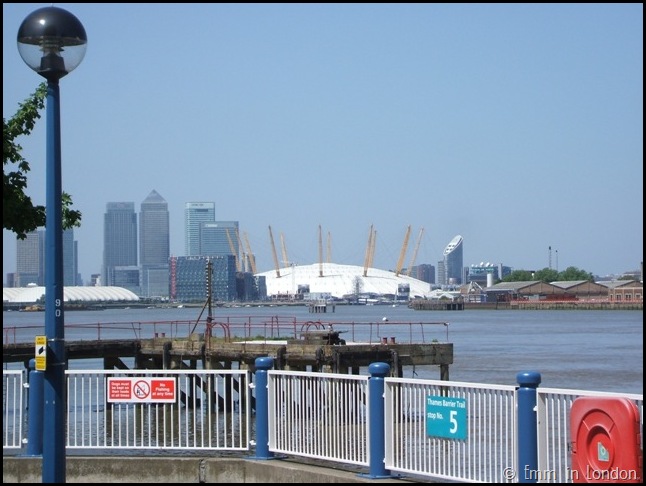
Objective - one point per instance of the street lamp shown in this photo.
(52, 42)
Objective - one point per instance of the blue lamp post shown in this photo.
(52, 42)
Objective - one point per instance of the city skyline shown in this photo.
(517, 126)
(122, 225)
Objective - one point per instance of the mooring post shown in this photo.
(36, 410)
(377, 424)
(528, 382)
(262, 408)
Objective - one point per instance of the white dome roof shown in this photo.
(339, 280)
(31, 294)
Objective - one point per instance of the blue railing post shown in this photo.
(377, 450)
(262, 408)
(528, 382)
(35, 414)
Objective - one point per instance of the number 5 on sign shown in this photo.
(446, 417)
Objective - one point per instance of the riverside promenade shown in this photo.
(176, 469)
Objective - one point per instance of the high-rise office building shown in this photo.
(154, 245)
(453, 266)
(196, 213)
(441, 273)
(70, 259)
(120, 246)
(424, 272)
(218, 238)
(189, 278)
(30, 259)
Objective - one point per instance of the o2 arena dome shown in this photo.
(341, 281)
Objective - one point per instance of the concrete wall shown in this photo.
(130, 469)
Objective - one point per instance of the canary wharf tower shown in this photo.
(196, 213)
(154, 245)
(120, 246)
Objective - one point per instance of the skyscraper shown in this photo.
(30, 259)
(70, 259)
(154, 245)
(120, 246)
(196, 213)
(214, 240)
(453, 262)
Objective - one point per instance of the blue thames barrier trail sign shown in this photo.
(446, 417)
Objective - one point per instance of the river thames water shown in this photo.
(599, 350)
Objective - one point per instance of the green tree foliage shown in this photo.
(19, 214)
(519, 276)
(573, 273)
(548, 275)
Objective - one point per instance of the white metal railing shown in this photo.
(12, 409)
(169, 409)
(319, 415)
(553, 406)
(484, 451)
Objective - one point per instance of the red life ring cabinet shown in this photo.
(606, 440)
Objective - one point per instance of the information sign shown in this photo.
(41, 353)
(446, 417)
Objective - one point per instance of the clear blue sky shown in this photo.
(517, 126)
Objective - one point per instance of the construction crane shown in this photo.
(250, 256)
(286, 262)
(402, 253)
(373, 247)
(244, 257)
(233, 250)
(414, 257)
(366, 262)
(273, 251)
(320, 252)
(240, 247)
(329, 247)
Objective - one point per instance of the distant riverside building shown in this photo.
(30, 259)
(196, 213)
(487, 274)
(441, 273)
(250, 287)
(453, 265)
(120, 246)
(424, 272)
(154, 246)
(188, 278)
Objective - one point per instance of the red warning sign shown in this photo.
(142, 390)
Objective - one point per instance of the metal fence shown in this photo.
(324, 416)
(161, 410)
(12, 408)
(478, 443)
(319, 415)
